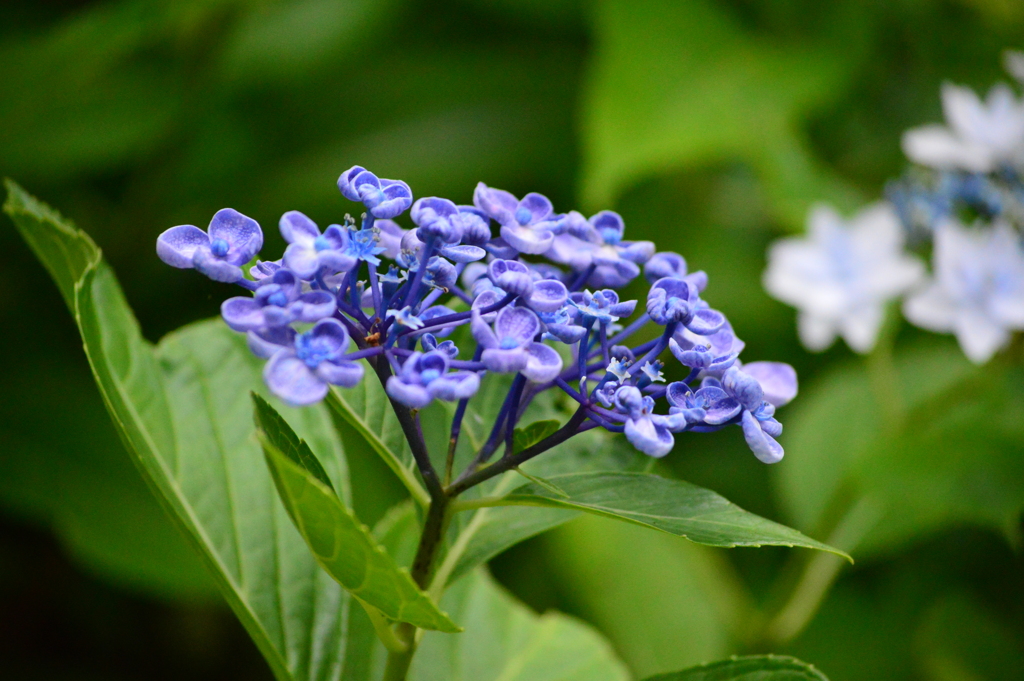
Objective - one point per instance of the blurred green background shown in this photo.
(711, 126)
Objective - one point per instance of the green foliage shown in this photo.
(342, 545)
(673, 506)
(530, 435)
(181, 412)
(752, 668)
(928, 469)
(679, 85)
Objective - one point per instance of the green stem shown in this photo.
(884, 376)
(820, 573)
(382, 626)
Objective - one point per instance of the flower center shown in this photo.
(429, 375)
(279, 299)
(321, 243)
(523, 216)
(509, 343)
(311, 350)
(219, 247)
(611, 236)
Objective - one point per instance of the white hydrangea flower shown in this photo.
(841, 275)
(981, 135)
(977, 291)
(1014, 63)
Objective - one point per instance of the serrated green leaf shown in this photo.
(182, 412)
(751, 668)
(673, 506)
(343, 545)
(273, 426)
(367, 420)
(530, 435)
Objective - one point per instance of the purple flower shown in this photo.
(602, 306)
(676, 300)
(778, 381)
(665, 264)
(383, 198)
(719, 350)
(528, 225)
(476, 226)
(510, 347)
(278, 301)
(598, 242)
(560, 325)
(263, 269)
(309, 251)
(649, 432)
(231, 241)
(439, 218)
(424, 376)
(447, 347)
(300, 374)
(759, 427)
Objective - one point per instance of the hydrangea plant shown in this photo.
(488, 354)
(964, 203)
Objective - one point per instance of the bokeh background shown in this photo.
(711, 126)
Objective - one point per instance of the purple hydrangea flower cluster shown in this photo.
(537, 291)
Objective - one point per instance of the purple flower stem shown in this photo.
(354, 312)
(603, 336)
(414, 286)
(247, 284)
(659, 345)
(570, 392)
(451, 319)
(472, 476)
(460, 412)
(513, 414)
(581, 359)
(368, 352)
(582, 279)
(461, 294)
(593, 416)
(633, 327)
(375, 290)
(353, 331)
(428, 300)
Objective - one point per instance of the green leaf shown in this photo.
(673, 506)
(711, 92)
(752, 668)
(934, 469)
(271, 425)
(183, 413)
(341, 544)
(665, 604)
(365, 418)
(504, 640)
(530, 435)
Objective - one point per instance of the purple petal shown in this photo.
(538, 206)
(177, 246)
(297, 228)
(649, 438)
(743, 387)
(676, 393)
(397, 198)
(543, 364)
(455, 386)
(289, 378)
(243, 234)
(665, 264)
(463, 253)
(335, 261)
(409, 394)
(266, 342)
(314, 306)
(720, 407)
(778, 380)
(623, 309)
(706, 322)
(481, 330)
(637, 252)
(496, 203)
(243, 314)
(215, 268)
(608, 222)
(331, 335)
(301, 259)
(526, 240)
(431, 208)
(518, 323)
(344, 373)
(572, 251)
(390, 237)
(486, 299)
(348, 190)
(548, 295)
(764, 447)
(505, 361)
